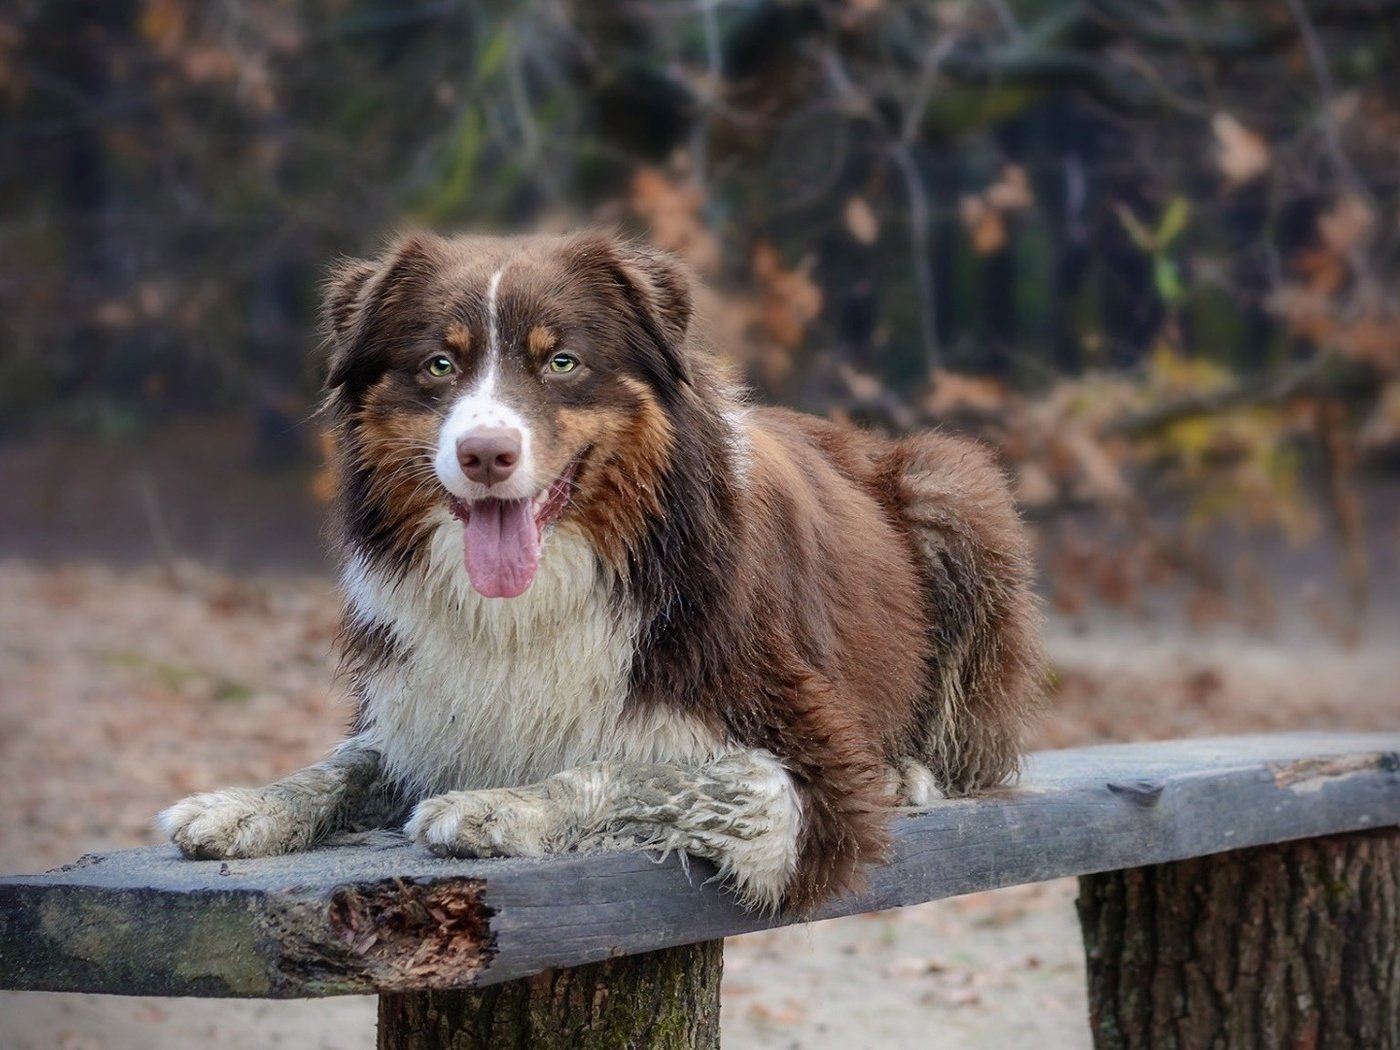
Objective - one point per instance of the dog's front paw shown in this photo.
(503, 822)
(238, 822)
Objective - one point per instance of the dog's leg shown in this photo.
(345, 791)
(740, 810)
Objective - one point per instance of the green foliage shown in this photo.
(443, 199)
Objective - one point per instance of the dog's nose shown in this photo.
(489, 455)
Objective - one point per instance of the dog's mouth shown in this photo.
(501, 537)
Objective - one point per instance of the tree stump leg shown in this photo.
(1295, 945)
(666, 1000)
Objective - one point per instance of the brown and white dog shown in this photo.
(593, 597)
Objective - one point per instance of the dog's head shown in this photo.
(513, 381)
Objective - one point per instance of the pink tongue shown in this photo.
(502, 545)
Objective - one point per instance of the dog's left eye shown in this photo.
(560, 364)
(439, 365)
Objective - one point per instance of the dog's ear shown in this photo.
(661, 288)
(658, 288)
(356, 294)
(342, 310)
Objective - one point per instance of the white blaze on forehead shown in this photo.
(493, 321)
(479, 407)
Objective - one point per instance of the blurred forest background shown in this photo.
(1148, 249)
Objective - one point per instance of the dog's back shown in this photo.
(894, 635)
(948, 528)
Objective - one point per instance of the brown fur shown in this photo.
(458, 336)
(541, 341)
(840, 600)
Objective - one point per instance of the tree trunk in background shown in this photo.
(666, 1000)
(88, 36)
(1294, 945)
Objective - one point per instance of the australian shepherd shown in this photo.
(594, 597)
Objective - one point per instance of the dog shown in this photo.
(594, 597)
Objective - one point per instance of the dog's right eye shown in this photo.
(439, 365)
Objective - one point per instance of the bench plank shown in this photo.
(379, 915)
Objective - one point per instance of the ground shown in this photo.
(123, 688)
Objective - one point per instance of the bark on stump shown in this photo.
(1295, 945)
(666, 1000)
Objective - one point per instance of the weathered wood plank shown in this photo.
(385, 916)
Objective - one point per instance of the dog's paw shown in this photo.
(502, 822)
(915, 785)
(219, 825)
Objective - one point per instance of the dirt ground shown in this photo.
(122, 689)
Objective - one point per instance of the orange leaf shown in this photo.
(984, 224)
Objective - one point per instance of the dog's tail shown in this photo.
(986, 663)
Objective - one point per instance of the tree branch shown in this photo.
(1232, 40)
(1323, 375)
(1067, 50)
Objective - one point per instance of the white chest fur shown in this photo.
(502, 692)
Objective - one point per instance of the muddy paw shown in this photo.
(234, 823)
(496, 823)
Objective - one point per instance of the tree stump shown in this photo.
(665, 1000)
(1295, 945)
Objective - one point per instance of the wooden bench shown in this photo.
(1235, 892)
